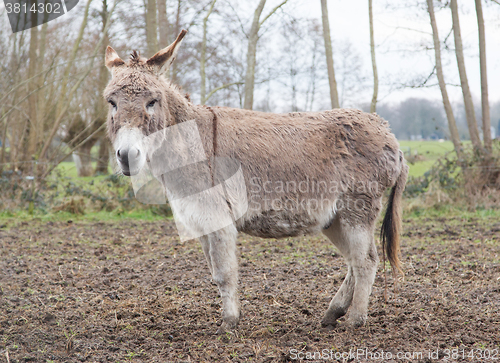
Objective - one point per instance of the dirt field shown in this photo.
(130, 291)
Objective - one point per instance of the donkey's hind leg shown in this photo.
(357, 244)
(364, 262)
(340, 302)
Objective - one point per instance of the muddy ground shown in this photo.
(130, 291)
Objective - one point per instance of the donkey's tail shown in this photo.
(391, 225)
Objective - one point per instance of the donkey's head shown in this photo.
(138, 102)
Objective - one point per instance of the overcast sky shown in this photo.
(398, 55)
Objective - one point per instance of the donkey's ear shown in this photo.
(112, 59)
(164, 58)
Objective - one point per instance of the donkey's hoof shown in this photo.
(329, 323)
(357, 320)
(228, 326)
(329, 327)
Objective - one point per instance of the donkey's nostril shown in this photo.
(125, 155)
(134, 153)
(122, 155)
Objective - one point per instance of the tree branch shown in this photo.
(211, 93)
(239, 20)
(77, 85)
(272, 12)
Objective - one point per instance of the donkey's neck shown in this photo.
(181, 109)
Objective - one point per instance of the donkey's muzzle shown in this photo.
(129, 160)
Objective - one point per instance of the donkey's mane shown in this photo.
(135, 57)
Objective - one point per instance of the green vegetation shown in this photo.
(65, 196)
(91, 216)
(450, 211)
(422, 155)
(68, 169)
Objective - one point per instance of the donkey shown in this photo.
(304, 172)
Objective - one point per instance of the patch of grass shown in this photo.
(9, 217)
(452, 211)
(68, 168)
(428, 152)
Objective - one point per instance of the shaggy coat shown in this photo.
(304, 172)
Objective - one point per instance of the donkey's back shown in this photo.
(312, 144)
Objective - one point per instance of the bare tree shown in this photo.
(64, 96)
(349, 74)
(172, 71)
(151, 28)
(64, 109)
(32, 99)
(163, 24)
(203, 55)
(100, 108)
(334, 96)
(42, 100)
(485, 105)
(469, 106)
(253, 38)
(373, 105)
(452, 124)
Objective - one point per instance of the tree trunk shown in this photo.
(334, 96)
(452, 124)
(101, 109)
(177, 28)
(42, 97)
(83, 160)
(163, 24)
(469, 106)
(17, 127)
(29, 150)
(373, 105)
(203, 87)
(485, 105)
(103, 160)
(151, 28)
(253, 38)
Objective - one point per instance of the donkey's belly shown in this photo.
(279, 224)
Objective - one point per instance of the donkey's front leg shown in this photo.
(224, 266)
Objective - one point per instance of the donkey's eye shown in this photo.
(112, 103)
(151, 104)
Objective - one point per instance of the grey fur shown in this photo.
(304, 173)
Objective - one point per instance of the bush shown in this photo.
(74, 195)
(475, 180)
